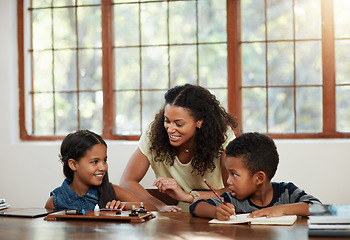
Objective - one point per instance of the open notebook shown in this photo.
(242, 218)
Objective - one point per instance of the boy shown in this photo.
(251, 160)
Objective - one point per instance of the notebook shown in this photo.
(242, 218)
(25, 212)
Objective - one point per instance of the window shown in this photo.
(279, 66)
(105, 65)
(291, 80)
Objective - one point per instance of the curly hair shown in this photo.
(258, 152)
(208, 139)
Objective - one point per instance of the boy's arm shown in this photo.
(206, 210)
(300, 209)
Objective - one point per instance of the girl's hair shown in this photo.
(74, 146)
(208, 139)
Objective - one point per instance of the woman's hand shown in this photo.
(170, 208)
(170, 187)
(115, 205)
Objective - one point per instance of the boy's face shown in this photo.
(241, 183)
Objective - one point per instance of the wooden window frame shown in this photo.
(328, 73)
(234, 74)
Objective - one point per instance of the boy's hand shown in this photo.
(115, 205)
(224, 212)
(275, 211)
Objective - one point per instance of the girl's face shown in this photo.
(180, 125)
(90, 169)
(241, 183)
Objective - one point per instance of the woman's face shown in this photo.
(180, 125)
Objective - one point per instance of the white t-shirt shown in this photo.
(182, 173)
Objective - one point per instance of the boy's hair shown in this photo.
(258, 151)
(74, 146)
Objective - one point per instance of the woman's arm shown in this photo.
(134, 172)
(130, 199)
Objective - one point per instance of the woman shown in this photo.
(184, 144)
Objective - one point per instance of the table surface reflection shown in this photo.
(163, 226)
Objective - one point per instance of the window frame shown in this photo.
(328, 73)
(233, 74)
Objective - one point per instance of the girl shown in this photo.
(84, 158)
(184, 144)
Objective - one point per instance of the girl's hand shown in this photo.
(224, 212)
(115, 205)
(170, 208)
(170, 187)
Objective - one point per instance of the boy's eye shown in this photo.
(234, 175)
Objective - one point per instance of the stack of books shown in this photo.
(329, 220)
(3, 204)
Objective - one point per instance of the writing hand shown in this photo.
(224, 212)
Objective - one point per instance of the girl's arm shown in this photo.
(133, 174)
(49, 204)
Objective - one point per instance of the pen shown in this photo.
(216, 194)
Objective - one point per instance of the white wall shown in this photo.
(30, 170)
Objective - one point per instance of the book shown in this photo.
(329, 220)
(242, 218)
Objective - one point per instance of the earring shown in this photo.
(199, 127)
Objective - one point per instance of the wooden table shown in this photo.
(164, 226)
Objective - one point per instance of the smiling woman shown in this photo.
(183, 144)
(84, 158)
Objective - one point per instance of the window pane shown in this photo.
(307, 19)
(212, 65)
(182, 22)
(90, 110)
(152, 101)
(126, 25)
(341, 18)
(212, 21)
(65, 70)
(279, 19)
(254, 109)
(127, 68)
(221, 96)
(89, 26)
(280, 66)
(281, 110)
(154, 67)
(42, 29)
(64, 28)
(253, 20)
(128, 110)
(183, 65)
(309, 109)
(42, 76)
(253, 64)
(342, 61)
(61, 3)
(66, 113)
(41, 3)
(343, 108)
(43, 114)
(87, 2)
(154, 23)
(308, 61)
(90, 69)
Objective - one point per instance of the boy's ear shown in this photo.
(260, 177)
(72, 164)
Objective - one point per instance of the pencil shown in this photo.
(216, 194)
